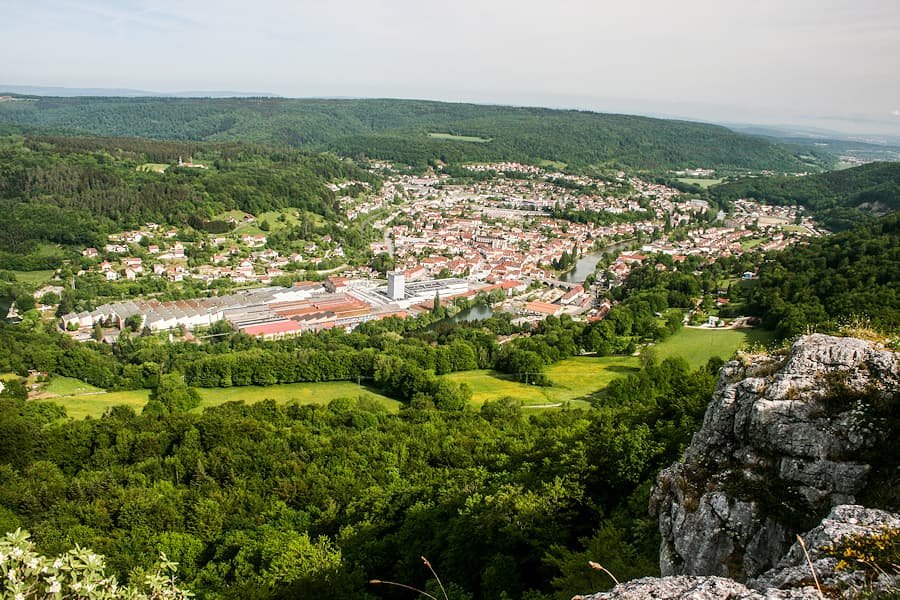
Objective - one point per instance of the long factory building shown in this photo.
(276, 312)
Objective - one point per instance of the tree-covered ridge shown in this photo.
(399, 130)
(831, 280)
(840, 198)
(71, 190)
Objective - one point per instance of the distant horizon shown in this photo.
(829, 64)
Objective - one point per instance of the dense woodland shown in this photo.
(71, 191)
(399, 130)
(265, 501)
(851, 277)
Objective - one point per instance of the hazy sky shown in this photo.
(750, 60)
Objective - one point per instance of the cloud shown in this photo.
(896, 112)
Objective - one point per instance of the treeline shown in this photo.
(269, 501)
(824, 284)
(71, 191)
(398, 130)
(839, 199)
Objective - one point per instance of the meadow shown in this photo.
(35, 278)
(82, 400)
(704, 183)
(571, 380)
(459, 138)
(697, 346)
(153, 167)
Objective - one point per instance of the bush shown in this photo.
(78, 573)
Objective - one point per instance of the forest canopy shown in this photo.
(400, 130)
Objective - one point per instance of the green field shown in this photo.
(552, 164)
(94, 405)
(572, 380)
(459, 138)
(697, 346)
(304, 393)
(290, 218)
(704, 183)
(153, 167)
(80, 404)
(69, 386)
(35, 278)
(751, 243)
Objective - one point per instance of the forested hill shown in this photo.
(839, 197)
(414, 131)
(850, 276)
(70, 190)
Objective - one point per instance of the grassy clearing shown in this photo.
(153, 167)
(697, 346)
(304, 393)
(234, 214)
(35, 278)
(459, 138)
(572, 379)
(94, 405)
(552, 164)
(69, 386)
(750, 243)
(704, 183)
(81, 404)
(583, 375)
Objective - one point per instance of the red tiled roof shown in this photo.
(273, 328)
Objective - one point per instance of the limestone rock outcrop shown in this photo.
(845, 521)
(784, 440)
(695, 588)
(792, 578)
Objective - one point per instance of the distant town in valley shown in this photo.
(509, 240)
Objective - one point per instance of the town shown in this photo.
(517, 238)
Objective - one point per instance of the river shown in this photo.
(475, 313)
(587, 264)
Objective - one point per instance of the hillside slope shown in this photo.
(839, 197)
(70, 190)
(399, 130)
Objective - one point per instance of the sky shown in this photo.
(829, 63)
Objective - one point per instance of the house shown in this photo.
(513, 286)
(572, 295)
(134, 263)
(175, 273)
(336, 284)
(90, 253)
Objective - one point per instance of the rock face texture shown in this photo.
(845, 521)
(695, 588)
(792, 578)
(784, 440)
